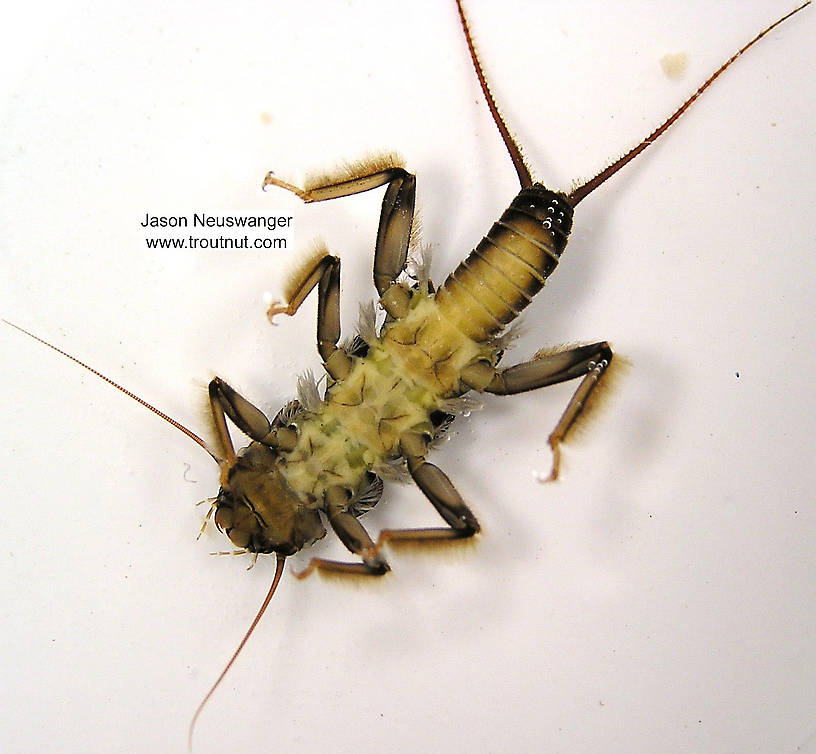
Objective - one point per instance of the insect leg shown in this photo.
(324, 272)
(396, 219)
(336, 360)
(590, 362)
(353, 535)
(436, 486)
(224, 401)
(355, 179)
(394, 231)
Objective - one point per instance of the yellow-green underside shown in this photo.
(408, 371)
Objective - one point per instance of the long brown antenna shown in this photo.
(124, 390)
(587, 188)
(522, 170)
(269, 595)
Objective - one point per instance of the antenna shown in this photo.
(587, 188)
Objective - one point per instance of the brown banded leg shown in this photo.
(589, 362)
(440, 491)
(226, 402)
(336, 360)
(437, 488)
(324, 272)
(353, 535)
(396, 219)
(394, 231)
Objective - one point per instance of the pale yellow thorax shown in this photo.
(409, 370)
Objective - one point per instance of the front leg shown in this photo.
(434, 483)
(353, 535)
(226, 402)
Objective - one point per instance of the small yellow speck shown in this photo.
(674, 64)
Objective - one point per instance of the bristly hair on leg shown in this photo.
(348, 171)
(298, 275)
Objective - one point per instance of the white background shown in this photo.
(659, 597)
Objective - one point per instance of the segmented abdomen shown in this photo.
(509, 266)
